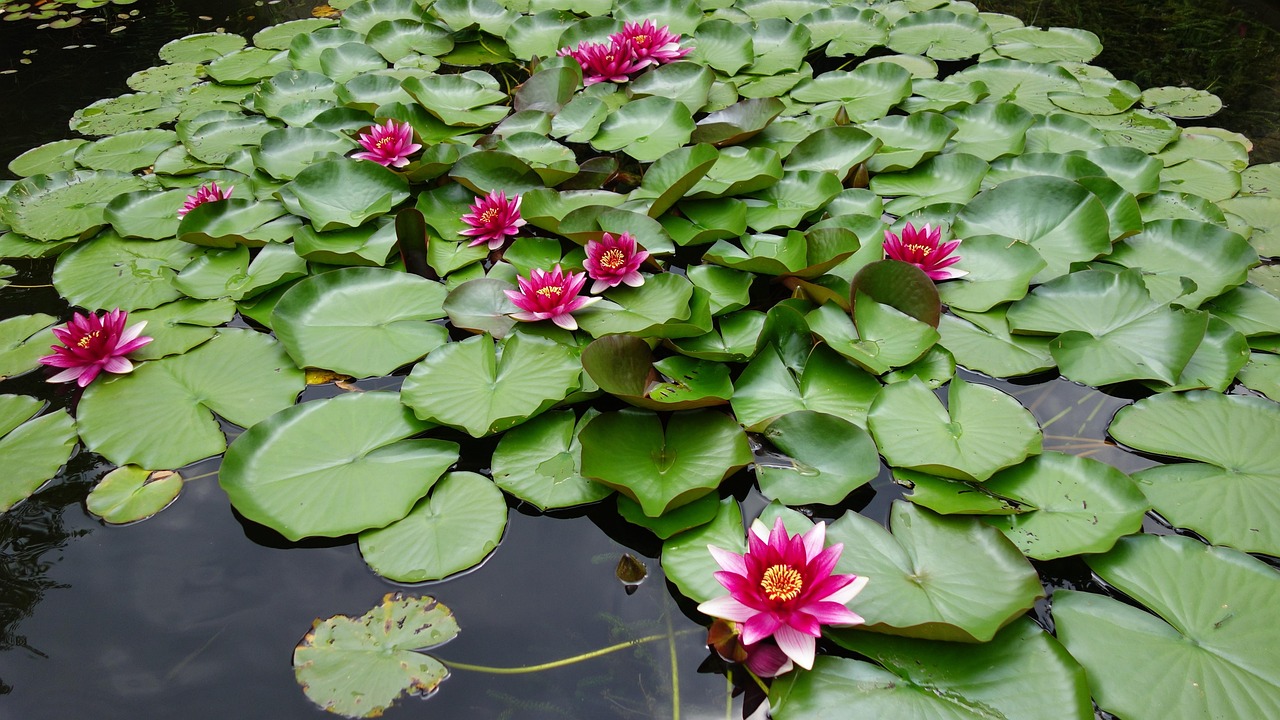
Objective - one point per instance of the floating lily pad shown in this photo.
(1213, 620)
(324, 451)
(982, 342)
(661, 467)
(1047, 45)
(1229, 437)
(181, 325)
(935, 577)
(685, 559)
(878, 337)
(52, 157)
(64, 204)
(539, 462)
(162, 414)
(360, 667)
(360, 321)
(483, 388)
(24, 339)
(343, 193)
(823, 459)
(451, 530)
(200, 48)
(127, 112)
(34, 450)
(128, 494)
(941, 35)
(110, 272)
(646, 129)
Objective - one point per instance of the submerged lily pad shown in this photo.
(359, 667)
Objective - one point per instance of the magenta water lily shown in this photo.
(206, 193)
(784, 588)
(93, 344)
(637, 47)
(553, 296)
(388, 145)
(923, 249)
(493, 219)
(614, 260)
(650, 44)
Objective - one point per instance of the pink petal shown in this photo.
(117, 365)
(760, 626)
(814, 540)
(798, 646)
(730, 561)
(566, 321)
(848, 592)
(728, 608)
(68, 375)
(829, 613)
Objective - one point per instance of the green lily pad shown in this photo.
(230, 274)
(643, 312)
(723, 46)
(452, 529)
(690, 84)
(360, 321)
(128, 494)
(824, 458)
(181, 325)
(767, 389)
(146, 214)
(1213, 621)
(162, 414)
(999, 270)
(661, 467)
(878, 337)
(982, 342)
(134, 111)
(1261, 373)
(934, 577)
(64, 204)
(1047, 45)
(623, 366)
(1181, 102)
(278, 37)
(286, 152)
(127, 151)
(1109, 328)
(685, 559)
(1216, 259)
(779, 46)
(906, 140)
(24, 339)
(467, 99)
(52, 157)
(324, 452)
(360, 667)
(646, 129)
(484, 388)
(1228, 436)
(110, 272)
(200, 48)
(941, 35)
(1022, 673)
(539, 462)
(233, 222)
(343, 193)
(980, 431)
(34, 450)
(865, 93)
(1027, 84)
(249, 65)
(214, 135)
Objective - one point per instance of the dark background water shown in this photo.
(195, 613)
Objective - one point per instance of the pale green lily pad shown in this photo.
(1181, 102)
(64, 204)
(162, 414)
(539, 462)
(452, 529)
(178, 326)
(767, 389)
(1023, 83)
(1262, 374)
(278, 37)
(360, 321)
(1021, 673)
(483, 388)
(1047, 45)
(934, 577)
(1214, 621)
(822, 459)
(646, 129)
(343, 193)
(109, 272)
(33, 449)
(1229, 436)
(200, 48)
(166, 77)
(980, 431)
(661, 467)
(146, 214)
(130, 493)
(24, 339)
(940, 34)
(52, 157)
(982, 342)
(1214, 258)
(135, 111)
(360, 667)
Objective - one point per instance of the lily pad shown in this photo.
(162, 414)
(34, 450)
(64, 204)
(935, 577)
(484, 388)
(110, 272)
(685, 559)
(343, 193)
(661, 467)
(646, 129)
(360, 321)
(1213, 621)
(305, 471)
(359, 667)
(128, 494)
(540, 462)
(823, 459)
(24, 339)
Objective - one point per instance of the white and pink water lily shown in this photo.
(923, 249)
(389, 145)
(784, 587)
(93, 344)
(553, 296)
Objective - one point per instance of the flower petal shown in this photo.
(728, 608)
(798, 646)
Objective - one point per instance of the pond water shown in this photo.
(195, 612)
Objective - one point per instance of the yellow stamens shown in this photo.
(640, 39)
(85, 340)
(489, 215)
(382, 143)
(612, 259)
(551, 292)
(922, 249)
(782, 582)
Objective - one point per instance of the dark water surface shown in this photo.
(195, 613)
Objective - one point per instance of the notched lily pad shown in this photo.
(130, 493)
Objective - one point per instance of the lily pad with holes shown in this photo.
(162, 414)
(360, 321)
(304, 471)
(359, 667)
(33, 449)
(662, 467)
(130, 493)
(1213, 620)
(452, 529)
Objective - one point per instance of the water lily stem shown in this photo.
(561, 663)
(675, 670)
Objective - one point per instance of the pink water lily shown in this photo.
(614, 260)
(92, 344)
(604, 63)
(492, 219)
(783, 588)
(388, 145)
(922, 249)
(550, 296)
(650, 44)
(206, 193)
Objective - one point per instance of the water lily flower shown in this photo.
(614, 260)
(492, 219)
(388, 145)
(550, 296)
(93, 344)
(783, 587)
(600, 62)
(650, 44)
(921, 248)
(206, 193)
